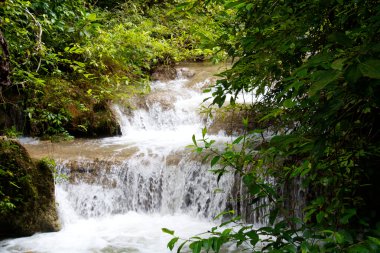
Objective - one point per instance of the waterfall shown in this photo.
(118, 196)
(162, 176)
(146, 184)
(117, 193)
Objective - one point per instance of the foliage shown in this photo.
(70, 57)
(36, 34)
(12, 132)
(315, 66)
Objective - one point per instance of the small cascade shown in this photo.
(149, 184)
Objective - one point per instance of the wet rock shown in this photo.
(165, 99)
(174, 158)
(185, 73)
(100, 121)
(89, 171)
(28, 186)
(164, 73)
(228, 121)
(201, 81)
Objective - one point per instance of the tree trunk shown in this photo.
(4, 63)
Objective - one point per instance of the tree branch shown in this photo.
(39, 36)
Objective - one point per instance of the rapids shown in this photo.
(115, 194)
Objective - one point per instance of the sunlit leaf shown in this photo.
(167, 231)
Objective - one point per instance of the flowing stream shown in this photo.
(115, 194)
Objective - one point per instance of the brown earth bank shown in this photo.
(28, 186)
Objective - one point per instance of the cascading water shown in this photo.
(120, 205)
(146, 184)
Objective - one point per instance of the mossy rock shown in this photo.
(27, 201)
(79, 110)
(230, 119)
(99, 121)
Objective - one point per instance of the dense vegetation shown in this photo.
(69, 58)
(315, 67)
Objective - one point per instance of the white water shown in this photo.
(128, 232)
(122, 207)
(167, 123)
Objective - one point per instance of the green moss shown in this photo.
(27, 202)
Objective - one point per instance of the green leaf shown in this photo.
(80, 64)
(340, 38)
(226, 232)
(216, 244)
(370, 68)
(302, 72)
(273, 215)
(91, 17)
(321, 79)
(172, 242)
(183, 6)
(234, 4)
(305, 247)
(289, 103)
(237, 140)
(358, 249)
(353, 73)
(215, 160)
(347, 215)
(320, 216)
(274, 113)
(196, 246)
(338, 64)
(194, 141)
(339, 237)
(231, 212)
(248, 179)
(254, 189)
(245, 122)
(167, 231)
(181, 246)
(289, 248)
(204, 132)
(374, 240)
(253, 236)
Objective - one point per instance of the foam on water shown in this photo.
(129, 232)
